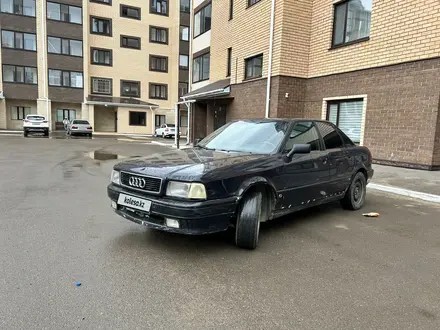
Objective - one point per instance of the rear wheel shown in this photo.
(90, 135)
(163, 135)
(25, 133)
(354, 198)
(46, 133)
(248, 221)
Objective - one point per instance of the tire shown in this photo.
(46, 133)
(163, 136)
(25, 133)
(248, 221)
(90, 135)
(354, 198)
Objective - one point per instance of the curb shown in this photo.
(406, 192)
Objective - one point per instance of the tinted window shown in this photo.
(346, 139)
(331, 138)
(171, 125)
(303, 133)
(35, 117)
(81, 122)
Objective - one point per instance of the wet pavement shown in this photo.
(323, 268)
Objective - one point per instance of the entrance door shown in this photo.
(116, 121)
(61, 115)
(219, 116)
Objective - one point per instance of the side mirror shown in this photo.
(299, 149)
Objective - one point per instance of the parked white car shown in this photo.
(166, 130)
(35, 123)
(79, 126)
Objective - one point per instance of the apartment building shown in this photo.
(119, 64)
(372, 67)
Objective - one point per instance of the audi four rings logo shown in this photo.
(137, 182)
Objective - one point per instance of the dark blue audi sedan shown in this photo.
(245, 173)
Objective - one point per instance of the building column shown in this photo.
(3, 124)
(44, 108)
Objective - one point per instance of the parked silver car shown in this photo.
(79, 127)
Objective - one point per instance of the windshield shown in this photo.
(80, 122)
(247, 136)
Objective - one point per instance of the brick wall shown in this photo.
(436, 155)
(249, 100)
(400, 31)
(402, 109)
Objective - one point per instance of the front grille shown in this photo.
(139, 182)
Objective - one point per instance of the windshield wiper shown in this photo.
(204, 147)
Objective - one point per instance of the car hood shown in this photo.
(193, 164)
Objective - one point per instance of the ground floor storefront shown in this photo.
(392, 110)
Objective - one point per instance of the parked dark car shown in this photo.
(245, 173)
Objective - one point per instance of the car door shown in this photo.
(304, 176)
(338, 159)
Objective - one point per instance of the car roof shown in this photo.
(286, 120)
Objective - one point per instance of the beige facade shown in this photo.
(107, 112)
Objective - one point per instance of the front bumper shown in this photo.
(195, 218)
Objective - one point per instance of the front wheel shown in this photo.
(248, 221)
(354, 198)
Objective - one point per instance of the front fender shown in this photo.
(249, 183)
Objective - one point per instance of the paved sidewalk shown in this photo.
(414, 183)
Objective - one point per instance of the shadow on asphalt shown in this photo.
(269, 231)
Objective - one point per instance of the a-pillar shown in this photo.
(3, 124)
(44, 108)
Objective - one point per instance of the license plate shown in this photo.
(134, 202)
(35, 123)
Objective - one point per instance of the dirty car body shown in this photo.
(293, 164)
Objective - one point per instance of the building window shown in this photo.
(62, 114)
(101, 86)
(184, 33)
(137, 118)
(252, 2)
(104, 2)
(65, 78)
(71, 47)
(253, 67)
(102, 26)
(64, 13)
(18, 7)
(183, 61)
(101, 56)
(352, 21)
(347, 115)
(158, 63)
(183, 88)
(159, 7)
(158, 35)
(130, 42)
(20, 113)
(183, 121)
(231, 9)
(202, 20)
(159, 120)
(130, 88)
(130, 12)
(201, 68)
(158, 91)
(19, 40)
(20, 74)
(184, 6)
(229, 62)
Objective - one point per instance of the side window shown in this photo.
(303, 133)
(331, 138)
(346, 139)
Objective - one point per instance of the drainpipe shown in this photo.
(269, 69)
(46, 93)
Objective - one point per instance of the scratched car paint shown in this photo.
(245, 173)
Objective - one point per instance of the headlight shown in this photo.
(115, 178)
(186, 190)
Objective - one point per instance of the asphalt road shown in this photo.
(320, 269)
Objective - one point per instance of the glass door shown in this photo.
(62, 114)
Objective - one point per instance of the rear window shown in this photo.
(171, 125)
(35, 118)
(81, 122)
